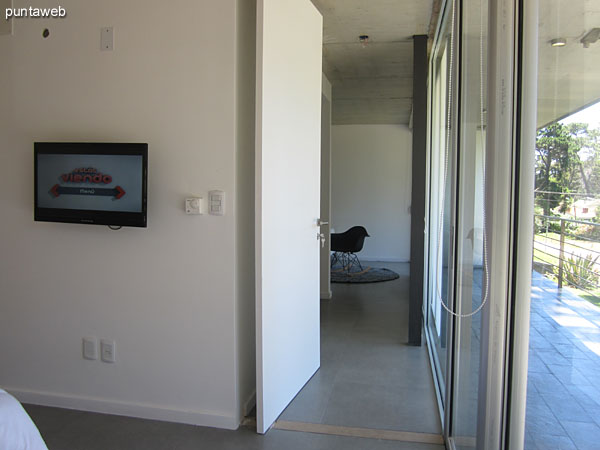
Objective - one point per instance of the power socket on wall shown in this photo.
(107, 351)
(90, 348)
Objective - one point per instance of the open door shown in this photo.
(288, 124)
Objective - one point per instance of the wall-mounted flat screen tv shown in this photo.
(92, 183)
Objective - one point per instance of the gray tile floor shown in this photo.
(563, 392)
(75, 430)
(369, 376)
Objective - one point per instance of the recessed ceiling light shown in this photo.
(558, 42)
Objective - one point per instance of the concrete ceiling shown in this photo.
(372, 84)
(569, 76)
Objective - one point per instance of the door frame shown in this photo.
(526, 124)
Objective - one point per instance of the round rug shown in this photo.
(368, 275)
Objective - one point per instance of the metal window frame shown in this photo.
(525, 120)
(512, 80)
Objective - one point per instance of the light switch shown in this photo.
(216, 203)
(106, 39)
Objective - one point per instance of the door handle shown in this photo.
(321, 222)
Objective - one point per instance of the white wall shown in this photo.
(371, 186)
(165, 294)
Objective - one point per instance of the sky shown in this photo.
(590, 115)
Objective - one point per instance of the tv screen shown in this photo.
(93, 183)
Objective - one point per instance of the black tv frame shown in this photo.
(92, 217)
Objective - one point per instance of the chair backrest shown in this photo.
(351, 240)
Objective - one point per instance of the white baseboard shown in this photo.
(120, 408)
(382, 259)
(326, 295)
(249, 404)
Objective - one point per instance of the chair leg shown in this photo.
(358, 261)
(354, 261)
(347, 261)
(335, 258)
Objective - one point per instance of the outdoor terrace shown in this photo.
(563, 399)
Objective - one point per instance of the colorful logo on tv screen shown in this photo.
(94, 181)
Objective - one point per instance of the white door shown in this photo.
(288, 123)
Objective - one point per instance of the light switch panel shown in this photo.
(216, 203)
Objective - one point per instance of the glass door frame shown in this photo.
(443, 392)
(525, 118)
(512, 41)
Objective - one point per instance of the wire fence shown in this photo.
(568, 251)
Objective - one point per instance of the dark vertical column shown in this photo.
(417, 209)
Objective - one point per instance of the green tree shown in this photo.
(558, 165)
(589, 141)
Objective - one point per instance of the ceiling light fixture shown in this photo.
(364, 40)
(558, 42)
(590, 37)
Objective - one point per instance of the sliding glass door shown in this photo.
(456, 253)
(483, 84)
(470, 291)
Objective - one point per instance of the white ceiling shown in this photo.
(569, 77)
(372, 84)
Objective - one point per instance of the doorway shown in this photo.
(365, 359)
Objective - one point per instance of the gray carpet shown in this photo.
(367, 275)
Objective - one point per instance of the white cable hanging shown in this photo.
(483, 146)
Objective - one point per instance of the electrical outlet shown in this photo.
(90, 348)
(107, 351)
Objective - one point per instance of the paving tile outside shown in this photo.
(543, 441)
(563, 400)
(585, 435)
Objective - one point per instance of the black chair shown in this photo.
(345, 246)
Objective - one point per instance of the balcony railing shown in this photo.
(568, 251)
